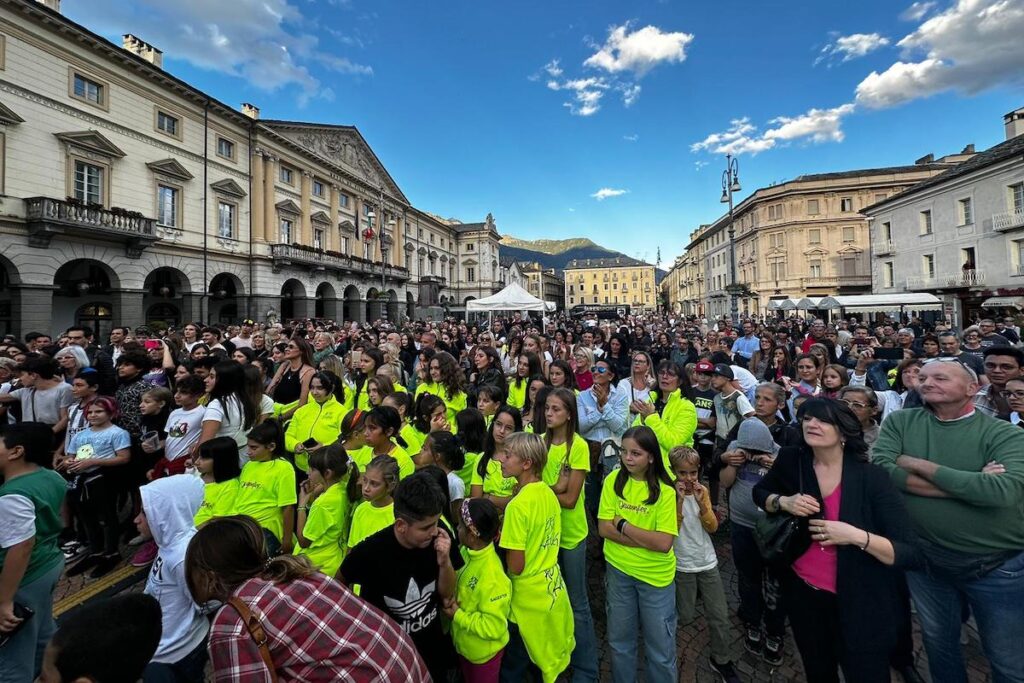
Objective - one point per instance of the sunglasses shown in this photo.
(599, 369)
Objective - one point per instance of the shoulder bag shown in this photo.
(252, 624)
(781, 537)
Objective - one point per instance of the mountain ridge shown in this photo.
(557, 253)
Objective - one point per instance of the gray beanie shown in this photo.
(754, 436)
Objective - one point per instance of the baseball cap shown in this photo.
(704, 366)
(724, 370)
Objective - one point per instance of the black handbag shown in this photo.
(781, 537)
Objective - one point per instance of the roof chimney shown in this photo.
(926, 159)
(139, 47)
(969, 149)
(50, 4)
(250, 110)
(1014, 122)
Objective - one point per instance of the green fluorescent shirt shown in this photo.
(574, 520)
(484, 593)
(325, 529)
(652, 567)
(263, 489)
(493, 483)
(219, 500)
(368, 520)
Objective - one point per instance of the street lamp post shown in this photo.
(731, 184)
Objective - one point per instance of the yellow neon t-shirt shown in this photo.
(466, 473)
(493, 483)
(367, 520)
(574, 520)
(363, 456)
(326, 529)
(652, 567)
(218, 500)
(517, 395)
(263, 489)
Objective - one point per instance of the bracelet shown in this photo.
(620, 526)
(775, 503)
(866, 542)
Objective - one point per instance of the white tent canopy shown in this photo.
(512, 298)
(883, 302)
(1004, 302)
(783, 304)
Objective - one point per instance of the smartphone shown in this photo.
(862, 342)
(152, 344)
(21, 612)
(357, 357)
(889, 354)
(310, 443)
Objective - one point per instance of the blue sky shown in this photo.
(528, 110)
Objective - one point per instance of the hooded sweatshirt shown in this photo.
(755, 438)
(170, 505)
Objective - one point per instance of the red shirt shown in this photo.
(818, 565)
(316, 631)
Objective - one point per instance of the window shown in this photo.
(167, 206)
(965, 211)
(344, 248)
(926, 222)
(1016, 196)
(814, 236)
(225, 148)
(887, 231)
(343, 200)
(815, 269)
(812, 207)
(778, 270)
(928, 265)
(89, 90)
(318, 238)
(168, 124)
(287, 230)
(471, 274)
(226, 220)
(888, 280)
(431, 238)
(846, 204)
(88, 182)
(318, 189)
(849, 266)
(849, 234)
(469, 247)
(287, 175)
(777, 240)
(774, 212)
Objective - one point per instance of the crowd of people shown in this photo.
(321, 501)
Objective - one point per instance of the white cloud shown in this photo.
(973, 46)
(845, 48)
(587, 94)
(633, 137)
(917, 11)
(698, 165)
(742, 137)
(630, 93)
(606, 192)
(572, 210)
(553, 69)
(265, 42)
(639, 51)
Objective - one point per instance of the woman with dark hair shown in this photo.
(662, 348)
(335, 635)
(843, 592)
(369, 360)
(487, 480)
(407, 353)
(449, 383)
(618, 354)
(243, 355)
(231, 411)
(533, 387)
(669, 411)
(561, 376)
(527, 366)
(318, 423)
(486, 371)
(761, 359)
(291, 381)
(780, 366)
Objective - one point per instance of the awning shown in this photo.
(884, 302)
(810, 302)
(788, 304)
(1003, 302)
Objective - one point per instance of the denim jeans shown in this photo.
(758, 587)
(632, 606)
(996, 601)
(22, 657)
(574, 572)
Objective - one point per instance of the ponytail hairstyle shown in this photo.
(538, 421)
(568, 399)
(228, 551)
(334, 458)
(656, 474)
(472, 429)
(270, 434)
(224, 452)
(426, 404)
(448, 449)
(489, 444)
(388, 468)
(332, 383)
(387, 418)
(352, 423)
(481, 518)
(402, 402)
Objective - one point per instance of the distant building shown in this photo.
(960, 234)
(610, 281)
(544, 283)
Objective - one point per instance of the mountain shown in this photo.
(557, 253)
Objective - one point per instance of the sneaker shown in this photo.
(772, 651)
(145, 555)
(104, 565)
(139, 540)
(726, 671)
(73, 550)
(85, 564)
(752, 640)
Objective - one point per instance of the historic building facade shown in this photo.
(128, 196)
(544, 283)
(611, 281)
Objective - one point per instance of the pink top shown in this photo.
(817, 566)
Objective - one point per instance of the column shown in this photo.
(128, 307)
(32, 309)
(333, 239)
(190, 304)
(257, 224)
(357, 249)
(270, 229)
(306, 231)
(333, 308)
(303, 306)
(400, 259)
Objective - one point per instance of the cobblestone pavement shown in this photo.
(693, 639)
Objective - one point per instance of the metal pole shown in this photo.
(730, 181)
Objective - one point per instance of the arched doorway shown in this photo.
(226, 291)
(84, 295)
(351, 307)
(166, 289)
(291, 290)
(326, 302)
(392, 307)
(373, 306)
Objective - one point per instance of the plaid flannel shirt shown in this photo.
(316, 631)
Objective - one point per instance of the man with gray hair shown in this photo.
(949, 346)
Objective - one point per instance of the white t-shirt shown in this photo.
(19, 515)
(746, 379)
(456, 487)
(693, 547)
(626, 385)
(267, 406)
(183, 430)
(231, 419)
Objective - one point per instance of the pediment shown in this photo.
(8, 117)
(228, 187)
(816, 251)
(320, 217)
(342, 146)
(410, 247)
(91, 141)
(170, 167)
(850, 250)
(347, 225)
(432, 254)
(470, 262)
(444, 258)
(422, 251)
(288, 206)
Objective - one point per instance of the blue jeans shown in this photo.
(22, 657)
(574, 572)
(626, 600)
(996, 601)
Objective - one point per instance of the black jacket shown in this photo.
(868, 592)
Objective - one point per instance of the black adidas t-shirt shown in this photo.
(402, 583)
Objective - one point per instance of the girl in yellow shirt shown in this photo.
(488, 399)
(325, 507)
(266, 487)
(402, 402)
(217, 462)
(377, 511)
(431, 416)
(487, 480)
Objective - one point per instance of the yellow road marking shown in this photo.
(95, 588)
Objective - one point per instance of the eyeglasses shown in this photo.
(855, 404)
(599, 369)
(1019, 395)
(951, 359)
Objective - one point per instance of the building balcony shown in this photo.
(298, 255)
(438, 280)
(1011, 220)
(46, 217)
(834, 282)
(884, 248)
(963, 279)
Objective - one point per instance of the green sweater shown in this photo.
(984, 513)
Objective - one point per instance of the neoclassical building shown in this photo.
(129, 196)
